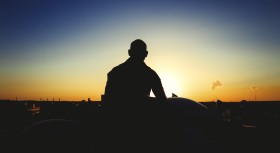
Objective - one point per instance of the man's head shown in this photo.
(138, 50)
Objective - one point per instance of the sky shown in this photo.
(202, 50)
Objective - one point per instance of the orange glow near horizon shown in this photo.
(224, 93)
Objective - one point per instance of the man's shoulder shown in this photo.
(151, 71)
(117, 69)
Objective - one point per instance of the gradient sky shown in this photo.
(64, 49)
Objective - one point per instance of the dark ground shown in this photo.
(89, 127)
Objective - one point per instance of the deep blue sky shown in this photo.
(47, 21)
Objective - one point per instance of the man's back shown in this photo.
(133, 80)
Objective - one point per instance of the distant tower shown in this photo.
(255, 95)
(254, 90)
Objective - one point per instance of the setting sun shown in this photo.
(170, 84)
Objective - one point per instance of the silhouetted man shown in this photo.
(132, 81)
(129, 107)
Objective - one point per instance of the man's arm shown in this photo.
(108, 86)
(157, 89)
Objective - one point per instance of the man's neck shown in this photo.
(135, 61)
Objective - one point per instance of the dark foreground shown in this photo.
(182, 126)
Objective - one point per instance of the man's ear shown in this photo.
(146, 53)
(129, 52)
